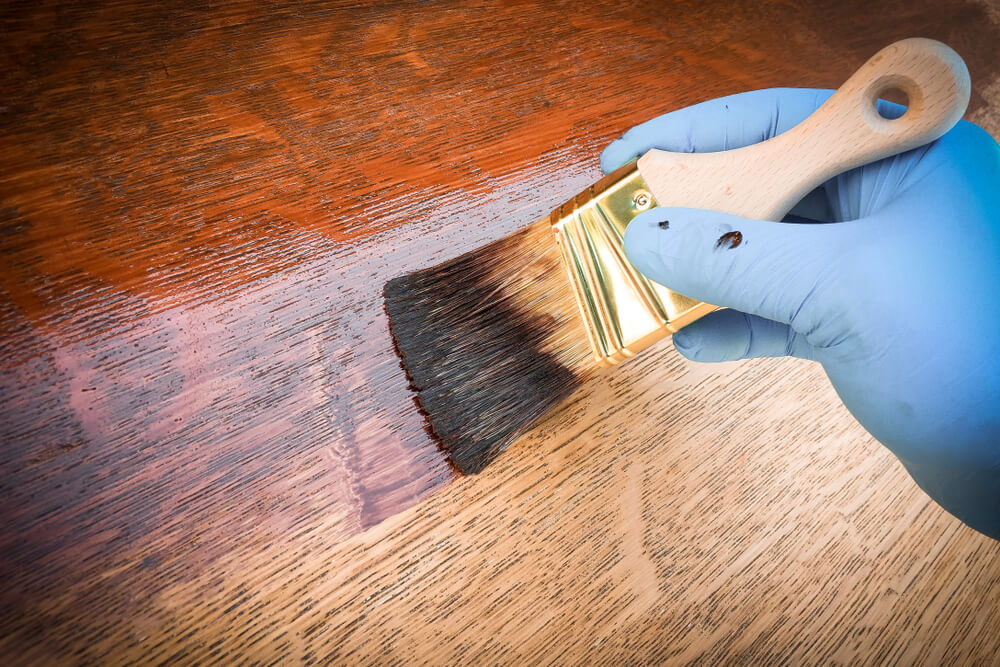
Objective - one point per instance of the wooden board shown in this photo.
(209, 451)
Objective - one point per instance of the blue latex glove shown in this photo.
(899, 298)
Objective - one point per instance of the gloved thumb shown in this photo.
(777, 270)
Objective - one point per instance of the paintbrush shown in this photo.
(494, 339)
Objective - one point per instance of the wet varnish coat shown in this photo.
(209, 451)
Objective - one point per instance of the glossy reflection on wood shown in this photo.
(209, 449)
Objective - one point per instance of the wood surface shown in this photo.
(209, 450)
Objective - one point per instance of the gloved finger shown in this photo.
(776, 270)
(717, 125)
(729, 335)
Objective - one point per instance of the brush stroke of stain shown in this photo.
(639, 569)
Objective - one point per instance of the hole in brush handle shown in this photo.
(896, 96)
(928, 77)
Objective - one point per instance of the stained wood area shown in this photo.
(209, 450)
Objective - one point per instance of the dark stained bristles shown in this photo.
(491, 341)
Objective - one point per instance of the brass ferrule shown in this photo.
(623, 311)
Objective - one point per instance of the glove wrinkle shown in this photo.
(793, 321)
(749, 346)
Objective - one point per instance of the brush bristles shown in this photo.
(491, 341)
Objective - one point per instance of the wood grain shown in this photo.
(209, 451)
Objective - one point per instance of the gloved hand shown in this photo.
(898, 298)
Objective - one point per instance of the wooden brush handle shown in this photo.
(765, 180)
